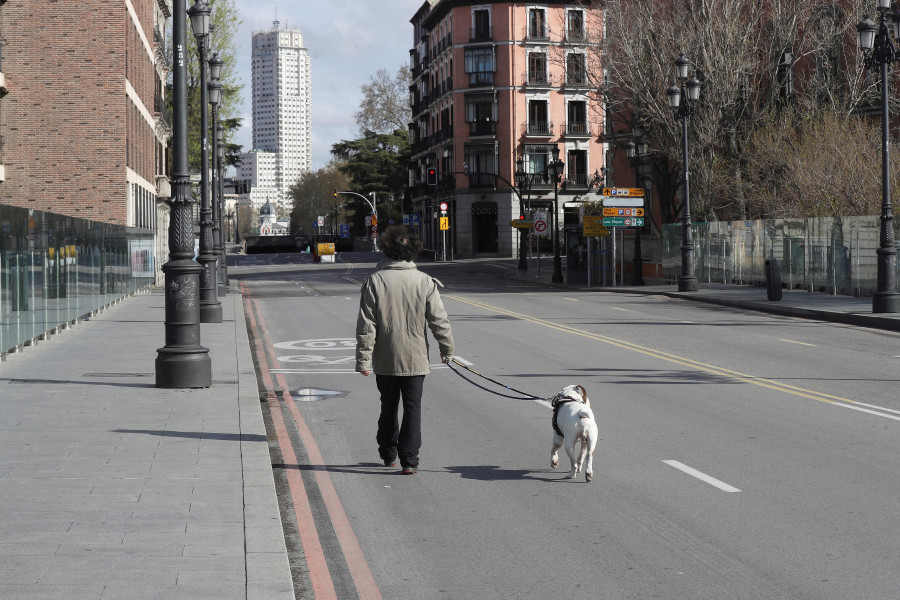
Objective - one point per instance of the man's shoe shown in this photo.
(390, 462)
(410, 470)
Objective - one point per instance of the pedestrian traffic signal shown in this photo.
(432, 176)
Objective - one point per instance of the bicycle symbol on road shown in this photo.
(347, 345)
(319, 344)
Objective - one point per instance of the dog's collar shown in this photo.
(560, 399)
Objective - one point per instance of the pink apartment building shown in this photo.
(495, 83)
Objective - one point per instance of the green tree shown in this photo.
(224, 22)
(313, 196)
(376, 162)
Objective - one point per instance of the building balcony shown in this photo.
(480, 34)
(577, 180)
(482, 128)
(536, 34)
(481, 79)
(537, 128)
(162, 110)
(537, 79)
(576, 81)
(578, 129)
(577, 36)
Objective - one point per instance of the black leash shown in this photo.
(526, 396)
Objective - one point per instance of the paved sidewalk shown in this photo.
(811, 305)
(111, 488)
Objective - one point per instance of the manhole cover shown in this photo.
(312, 394)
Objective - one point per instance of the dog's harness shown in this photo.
(557, 403)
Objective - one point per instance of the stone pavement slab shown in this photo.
(113, 488)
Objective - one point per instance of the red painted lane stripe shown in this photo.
(356, 560)
(319, 575)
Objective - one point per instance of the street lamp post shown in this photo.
(521, 178)
(555, 170)
(690, 89)
(879, 50)
(183, 363)
(229, 216)
(220, 153)
(210, 307)
(635, 153)
(214, 90)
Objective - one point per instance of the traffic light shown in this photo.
(335, 192)
(432, 176)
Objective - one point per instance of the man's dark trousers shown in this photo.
(401, 439)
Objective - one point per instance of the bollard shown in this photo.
(773, 279)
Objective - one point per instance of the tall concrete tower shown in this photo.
(281, 104)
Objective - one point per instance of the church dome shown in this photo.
(266, 210)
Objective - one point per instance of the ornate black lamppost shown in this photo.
(521, 178)
(220, 154)
(230, 216)
(635, 153)
(210, 307)
(214, 91)
(690, 89)
(555, 171)
(879, 50)
(183, 362)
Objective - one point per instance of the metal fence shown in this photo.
(55, 270)
(836, 255)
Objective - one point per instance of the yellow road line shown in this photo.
(796, 342)
(680, 360)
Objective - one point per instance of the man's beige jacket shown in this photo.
(397, 303)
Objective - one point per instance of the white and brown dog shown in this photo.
(573, 422)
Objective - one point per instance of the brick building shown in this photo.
(84, 125)
(494, 83)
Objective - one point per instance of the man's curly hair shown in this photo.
(398, 243)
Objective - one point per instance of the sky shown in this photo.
(348, 41)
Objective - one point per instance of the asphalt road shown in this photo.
(741, 455)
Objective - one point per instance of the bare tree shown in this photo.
(753, 57)
(385, 103)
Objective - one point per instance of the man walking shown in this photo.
(396, 305)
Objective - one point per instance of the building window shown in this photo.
(576, 73)
(576, 168)
(480, 163)
(480, 66)
(481, 25)
(537, 156)
(538, 117)
(575, 25)
(481, 114)
(576, 118)
(537, 24)
(537, 68)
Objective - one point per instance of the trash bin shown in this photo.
(773, 279)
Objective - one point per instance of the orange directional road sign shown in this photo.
(623, 212)
(627, 192)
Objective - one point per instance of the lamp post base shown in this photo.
(688, 284)
(210, 312)
(183, 363)
(183, 368)
(886, 302)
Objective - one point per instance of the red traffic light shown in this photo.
(432, 176)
